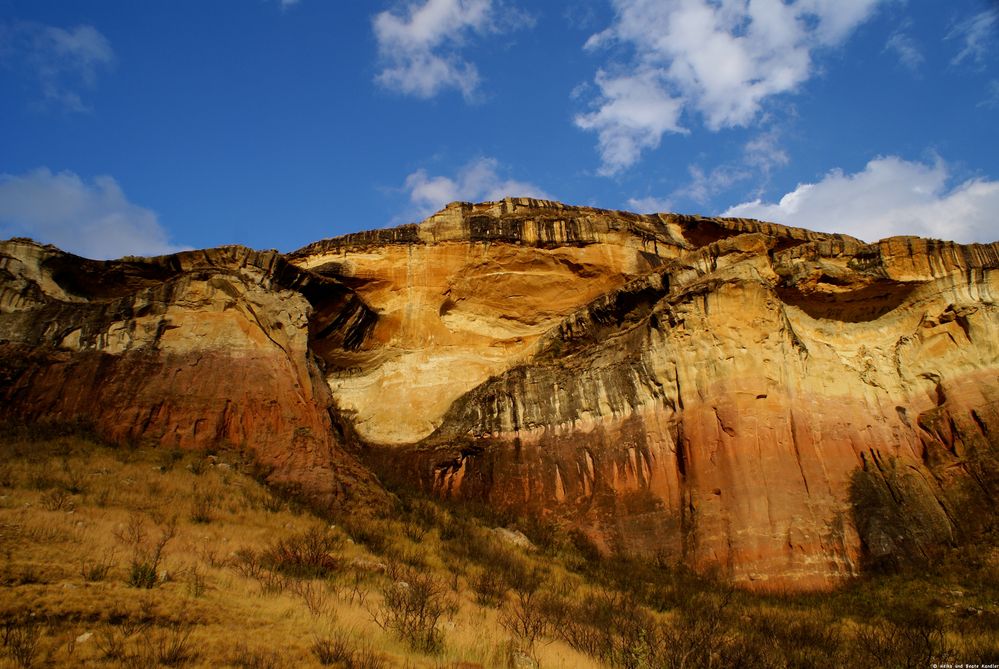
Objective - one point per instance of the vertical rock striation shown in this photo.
(782, 406)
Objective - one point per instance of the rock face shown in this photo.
(205, 349)
(465, 295)
(784, 406)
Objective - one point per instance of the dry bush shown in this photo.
(22, 641)
(246, 563)
(373, 533)
(74, 479)
(526, 617)
(170, 646)
(58, 499)
(340, 650)
(315, 553)
(263, 500)
(245, 658)
(97, 570)
(8, 476)
(415, 532)
(917, 643)
(317, 596)
(146, 559)
(413, 610)
(197, 582)
(779, 638)
(490, 588)
(202, 504)
(114, 639)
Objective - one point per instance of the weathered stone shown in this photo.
(782, 405)
(199, 350)
(786, 406)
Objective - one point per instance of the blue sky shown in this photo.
(145, 127)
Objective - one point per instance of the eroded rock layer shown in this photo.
(466, 294)
(204, 349)
(784, 406)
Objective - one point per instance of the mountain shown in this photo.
(784, 407)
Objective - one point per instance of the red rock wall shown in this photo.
(729, 428)
(207, 350)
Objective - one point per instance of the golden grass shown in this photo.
(77, 518)
(66, 556)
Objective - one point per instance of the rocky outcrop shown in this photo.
(466, 294)
(787, 407)
(199, 350)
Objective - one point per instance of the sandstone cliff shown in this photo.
(783, 405)
(204, 349)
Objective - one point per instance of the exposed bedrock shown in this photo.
(785, 406)
(200, 350)
(698, 412)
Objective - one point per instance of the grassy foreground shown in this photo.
(145, 558)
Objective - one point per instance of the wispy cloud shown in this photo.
(976, 35)
(991, 100)
(90, 219)
(287, 4)
(761, 155)
(420, 47)
(64, 62)
(717, 60)
(764, 153)
(650, 205)
(890, 196)
(905, 48)
(476, 181)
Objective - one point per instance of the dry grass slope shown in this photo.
(145, 558)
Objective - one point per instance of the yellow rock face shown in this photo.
(465, 296)
(783, 406)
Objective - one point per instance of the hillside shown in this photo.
(146, 557)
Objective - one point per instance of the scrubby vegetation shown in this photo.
(140, 557)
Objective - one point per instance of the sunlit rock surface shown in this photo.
(783, 406)
(203, 349)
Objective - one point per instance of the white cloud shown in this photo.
(285, 4)
(64, 62)
(976, 34)
(420, 48)
(95, 219)
(718, 58)
(634, 113)
(890, 196)
(476, 181)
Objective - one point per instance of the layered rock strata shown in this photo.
(784, 406)
(199, 350)
(782, 415)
